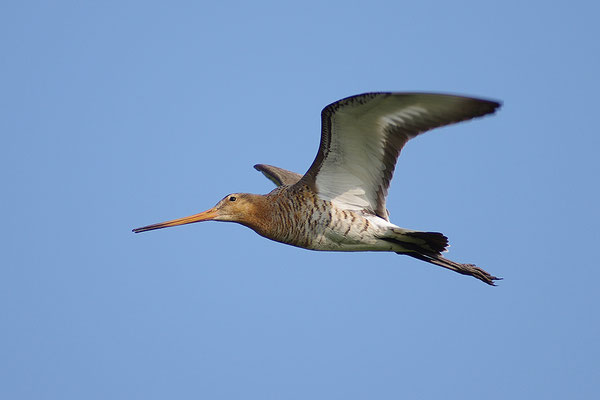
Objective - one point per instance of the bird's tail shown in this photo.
(428, 246)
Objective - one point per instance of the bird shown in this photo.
(339, 204)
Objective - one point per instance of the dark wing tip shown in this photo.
(485, 106)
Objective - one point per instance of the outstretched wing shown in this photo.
(361, 138)
(278, 176)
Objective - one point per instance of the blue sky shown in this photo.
(115, 115)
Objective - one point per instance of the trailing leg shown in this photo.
(428, 246)
(465, 269)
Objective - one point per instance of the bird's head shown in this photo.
(235, 207)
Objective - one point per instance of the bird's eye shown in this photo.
(232, 198)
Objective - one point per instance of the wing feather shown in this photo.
(361, 138)
(278, 176)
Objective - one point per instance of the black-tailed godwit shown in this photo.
(339, 204)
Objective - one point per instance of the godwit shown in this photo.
(339, 204)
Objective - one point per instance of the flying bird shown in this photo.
(339, 203)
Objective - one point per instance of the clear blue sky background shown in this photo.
(119, 114)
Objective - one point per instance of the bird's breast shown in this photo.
(304, 220)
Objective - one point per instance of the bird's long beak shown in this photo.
(203, 216)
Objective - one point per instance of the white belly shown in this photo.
(352, 232)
